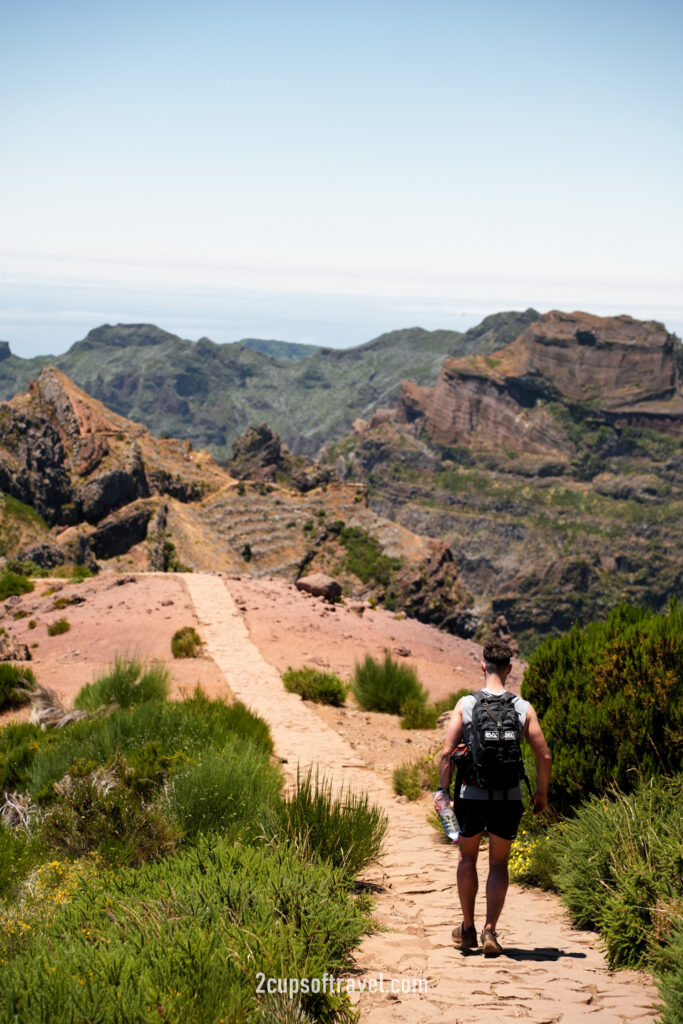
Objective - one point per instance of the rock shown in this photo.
(5, 351)
(500, 631)
(47, 556)
(120, 532)
(320, 585)
(433, 593)
(11, 649)
(624, 368)
(643, 487)
(403, 652)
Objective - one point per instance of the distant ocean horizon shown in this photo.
(46, 319)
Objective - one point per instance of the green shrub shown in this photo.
(24, 567)
(181, 941)
(346, 832)
(12, 679)
(416, 714)
(102, 813)
(618, 860)
(127, 683)
(311, 684)
(417, 777)
(19, 852)
(671, 977)
(229, 791)
(180, 727)
(58, 626)
(385, 686)
(610, 697)
(20, 742)
(186, 643)
(448, 703)
(365, 557)
(12, 584)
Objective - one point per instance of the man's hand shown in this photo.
(442, 800)
(539, 802)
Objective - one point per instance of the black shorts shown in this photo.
(500, 817)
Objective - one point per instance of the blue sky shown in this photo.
(327, 171)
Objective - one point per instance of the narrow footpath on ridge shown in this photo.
(550, 973)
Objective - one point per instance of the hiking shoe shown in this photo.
(465, 938)
(489, 943)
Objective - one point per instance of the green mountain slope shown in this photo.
(211, 393)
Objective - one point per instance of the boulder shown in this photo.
(11, 649)
(320, 585)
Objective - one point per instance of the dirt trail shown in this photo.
(550, 972)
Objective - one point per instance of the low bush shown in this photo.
(670, 979)
(448, 703)
(19, 853)
(416, 777)
(365, 557)
(346, 832)
(14, 678)
(182, 940)
(416, 714)
(311, 684)
(101, 813)
(385, 686)
(229, 791)
(610, 697)
(127, 683)
(186, 643)
(58, 626)
(13, 584)
(618, 859)
(20, 742)
(181, 728)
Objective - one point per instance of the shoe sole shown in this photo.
(490, 947)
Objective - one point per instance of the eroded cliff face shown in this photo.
(75, 462)
(625, 369)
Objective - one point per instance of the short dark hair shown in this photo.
(497, 653)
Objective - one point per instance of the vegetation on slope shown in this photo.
(160, 866)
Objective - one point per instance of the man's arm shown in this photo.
(539, 747)
(451, 740)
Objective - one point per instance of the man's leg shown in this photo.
(497, 882)
(468, 882)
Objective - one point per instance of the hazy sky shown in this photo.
(325, 171)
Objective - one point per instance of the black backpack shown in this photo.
(496, 753)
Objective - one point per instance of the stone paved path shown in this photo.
(550, 973)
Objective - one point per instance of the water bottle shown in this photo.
(449, 822)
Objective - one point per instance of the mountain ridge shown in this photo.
(210, 394)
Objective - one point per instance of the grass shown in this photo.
(347, 832)
(186, 643)
(365, 557)
(127, 683)
(617, 867)
(311, 684)
(416, 777)
(12, 584)
(167, 867)
(58, 626)
(12, 679)
(385, 686)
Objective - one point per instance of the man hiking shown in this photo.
(484, 721)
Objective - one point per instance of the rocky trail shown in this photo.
(550, 972)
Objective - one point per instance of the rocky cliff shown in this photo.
(623, 369)
(78, 483)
